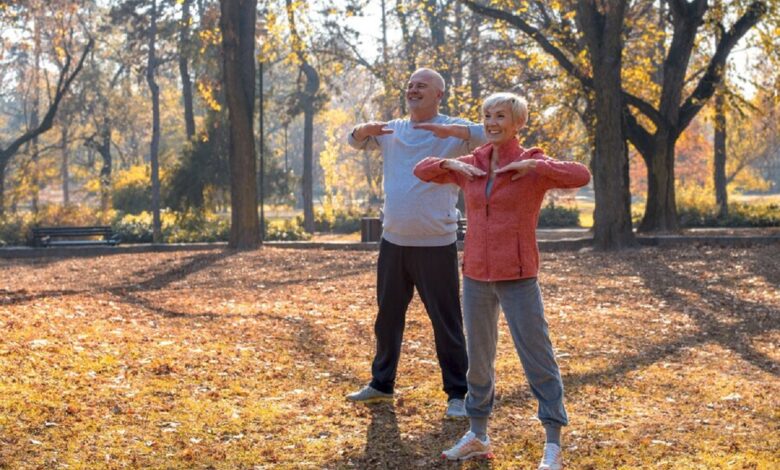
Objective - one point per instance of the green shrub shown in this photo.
(739, 215)
(336, 220)
(559, 216)
(54, 215)
(134, 228)
(197, 226)
(15, 229)
(177, 227)
(285, 230)
(131, 192)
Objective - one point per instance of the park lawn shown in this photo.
(225, 360)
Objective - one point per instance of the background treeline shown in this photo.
(114, 111)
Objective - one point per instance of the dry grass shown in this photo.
(241, 360)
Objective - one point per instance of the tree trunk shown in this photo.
(104, 150)
(35, 179)
(612, 216)
(436, 22)
(3, 164)
(186, 82)
(312, 85)
(474, 66)
(35, 118)
(237, 22)
(307, 102)
(261, 145)
(64, 167)
(155, 144)
(387, 78)
(410, 54)
(660, 208)
(719, 164)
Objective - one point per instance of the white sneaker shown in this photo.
(456, 408)
(552, 458)
(468, 447)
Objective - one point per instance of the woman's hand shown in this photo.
(521, 168)
(443, 131)
(469, 171)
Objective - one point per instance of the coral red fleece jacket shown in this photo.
(500, 241)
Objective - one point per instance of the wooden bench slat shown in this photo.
(79, 242)
(51, 236)
(73, 229)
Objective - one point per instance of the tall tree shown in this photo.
(436, 14)
(150, 30)
(154, 145)
(673, 114)
(601, 25)
(602, 28)
(33, 149)
(306, 99)
(237, 22)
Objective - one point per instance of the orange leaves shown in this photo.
(198, 359)
(207, 92)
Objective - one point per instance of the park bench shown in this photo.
(64, 236)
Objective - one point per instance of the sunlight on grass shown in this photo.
(207, 369)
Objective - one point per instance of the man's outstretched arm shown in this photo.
(472, 134)
(364, 135)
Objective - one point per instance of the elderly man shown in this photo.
(418, 242)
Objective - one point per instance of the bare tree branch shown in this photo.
(714, 74)
(63, 84)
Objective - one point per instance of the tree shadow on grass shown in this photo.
(128, 293)
(766, 265)
(162, 279)
(721, 317)
(157, 281)
(17, 297)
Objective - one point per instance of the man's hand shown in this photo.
(520, 168)
(443, 131)
(370, 129)
(469, 171)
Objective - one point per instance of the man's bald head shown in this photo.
(435, 77)
(424, 93)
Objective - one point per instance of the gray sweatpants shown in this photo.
(521, 301)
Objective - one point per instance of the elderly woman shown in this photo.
(504, 186)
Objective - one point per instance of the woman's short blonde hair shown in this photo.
(517, 104)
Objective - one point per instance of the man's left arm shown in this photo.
(473, 135)
(476, 136)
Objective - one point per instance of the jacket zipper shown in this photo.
(487, 217)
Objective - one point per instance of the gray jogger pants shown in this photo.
(521, 301)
